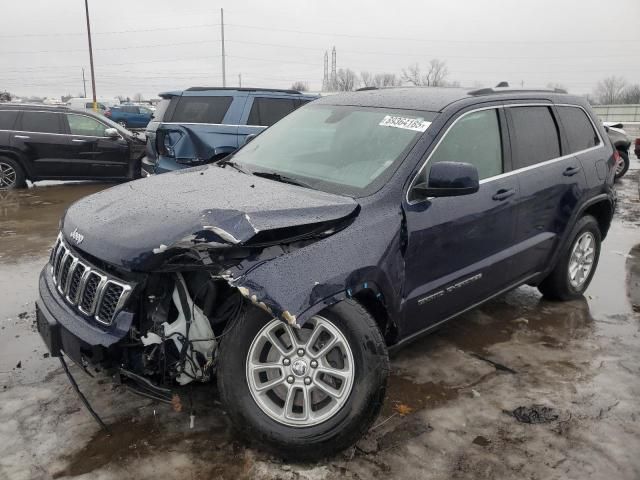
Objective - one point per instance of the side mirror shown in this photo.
(249, 137)
(449, 179)
(111, 133)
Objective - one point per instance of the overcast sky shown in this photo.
(149, 46)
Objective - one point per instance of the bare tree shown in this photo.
(300, 86)
(631, 94)
(367, 79)
(609, 91)
(380, 80)
(138, 97)
(436, 75)
(121, 98)
(346, 80)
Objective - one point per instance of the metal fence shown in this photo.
(628, 115)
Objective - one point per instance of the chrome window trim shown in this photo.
(512, 172)
(62, 134)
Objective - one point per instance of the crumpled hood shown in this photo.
(131, 224)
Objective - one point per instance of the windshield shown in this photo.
(340, 149)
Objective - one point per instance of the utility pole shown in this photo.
(93, 77)
(84, 84)
(333, 70)
(224, 73)
(239, 80)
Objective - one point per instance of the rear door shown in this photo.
(459, 248)
(263, 111)
(93, 154)
(551, 179)
(40, 137)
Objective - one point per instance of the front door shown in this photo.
(93, 154)
(459, 248)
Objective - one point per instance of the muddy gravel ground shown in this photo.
(519, 388)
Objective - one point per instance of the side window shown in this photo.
(131, 109)
(267, 111)
(43, 122)
(201, 109)
(534, 136)
(8, 119)
(579, 129)
(475, 139)
(83, 125)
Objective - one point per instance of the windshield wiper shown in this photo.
(282, 178)
(232, 164)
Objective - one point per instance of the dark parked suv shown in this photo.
(40, 142)
(353, 225)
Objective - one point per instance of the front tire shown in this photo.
(622, 168)
(304, 393)
(11, 174)
(577, 262)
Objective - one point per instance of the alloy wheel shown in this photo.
(7, 175)
(300, 377)
(581, 260)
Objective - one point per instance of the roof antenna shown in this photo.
(502, 85)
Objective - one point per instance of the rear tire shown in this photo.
(576, 264)
(625, 164)
(259, 412)
(11, 174)
(122, 123)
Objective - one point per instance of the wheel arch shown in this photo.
(602, 210)
(18, 158)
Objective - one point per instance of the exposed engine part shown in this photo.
(190, 332)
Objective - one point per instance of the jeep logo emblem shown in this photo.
(76, 236)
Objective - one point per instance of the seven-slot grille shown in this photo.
(91, 291)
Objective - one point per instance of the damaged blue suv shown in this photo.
(355, 224)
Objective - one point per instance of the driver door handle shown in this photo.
(22, 136)
(503, 194)
(570, 171)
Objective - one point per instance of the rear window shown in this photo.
(8, 119)
(89, 105)
(43, 122)
(534, 136)
(578, 128)
(267, 111)
(201, 109)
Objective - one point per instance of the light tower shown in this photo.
(333, 69)
(325, 77)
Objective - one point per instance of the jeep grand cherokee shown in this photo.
(353, 225)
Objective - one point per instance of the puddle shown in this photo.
(133, 440)
(29, 217)
(403, 392)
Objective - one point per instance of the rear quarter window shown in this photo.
(578, 128)
(201, 109)
(267, 111)
(8, 119)
(534, 135)
(161, 109)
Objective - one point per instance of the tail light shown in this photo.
(637, 142)
(166, 141)
(107, 114)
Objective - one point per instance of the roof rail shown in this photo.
(278, 90)
(494, 90)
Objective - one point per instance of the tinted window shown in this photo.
(44, 122)
(8, 119)
(83, 125)
(579, 129)
(534, 136)
(267, 111)
(475, 139)
(89, 106)
(201, 109)
(130, 109)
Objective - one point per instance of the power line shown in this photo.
(137, 30)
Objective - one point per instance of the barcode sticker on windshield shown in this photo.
(416, 124)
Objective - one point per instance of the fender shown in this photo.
(603, 197)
